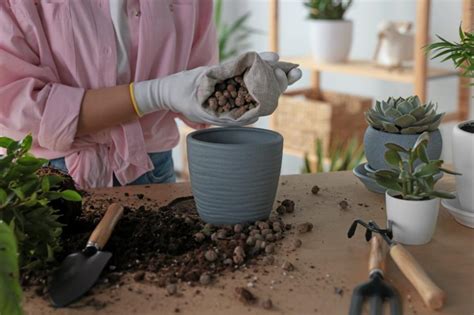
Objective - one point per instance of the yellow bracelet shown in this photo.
(134, 102)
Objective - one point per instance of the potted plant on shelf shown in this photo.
(411, 200)
(462, 55)
(400, 121)
(331, 35)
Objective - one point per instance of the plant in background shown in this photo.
(231, 37)
(327, 9)
(25, 200)
(10, 289)
(461, 54)
(404, 116)
(406, 180)
(342, 158)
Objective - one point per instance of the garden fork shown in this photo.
(376, 290)
(431, 294)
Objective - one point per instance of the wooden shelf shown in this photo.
(367, 69)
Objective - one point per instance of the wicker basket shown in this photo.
(333, 117)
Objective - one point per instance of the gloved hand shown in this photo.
(185, 92)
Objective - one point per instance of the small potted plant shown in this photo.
(411, 200)
(401, 121)
(331, 35)
(462, 55)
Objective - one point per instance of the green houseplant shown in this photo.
(400, 121)
(411, 198)
(25, 197)
(10, 290)
(342, 158)
(231, 37)
(462, 55)
(327, 23)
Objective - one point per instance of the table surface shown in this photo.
(327, 261)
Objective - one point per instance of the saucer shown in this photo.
(368, 169)
(462, 216)
(361, 173)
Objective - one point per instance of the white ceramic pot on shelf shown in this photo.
(463, 158)
(331, 40)
(413, 221)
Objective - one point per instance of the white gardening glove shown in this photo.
(180, 93)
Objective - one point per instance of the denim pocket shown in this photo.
(163, 171)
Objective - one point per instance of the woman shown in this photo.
(66, 69)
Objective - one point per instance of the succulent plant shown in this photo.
(404, 115)
(408, 181)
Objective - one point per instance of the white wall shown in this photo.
(366, 14)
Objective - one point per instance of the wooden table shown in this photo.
(326, 263)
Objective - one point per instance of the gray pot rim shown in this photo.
(400, 134)
(192, 136)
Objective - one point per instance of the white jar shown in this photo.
(331, 40)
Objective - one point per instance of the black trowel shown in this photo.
(79, 271)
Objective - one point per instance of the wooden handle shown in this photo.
(377, 254)
(103, 230)
(431, 294)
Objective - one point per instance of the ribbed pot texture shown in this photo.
(234, 173)
(374, 145)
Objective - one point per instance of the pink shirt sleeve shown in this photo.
(32, 99)
(204, 51)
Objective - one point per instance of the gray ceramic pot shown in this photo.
(374, 145)
(234, 173)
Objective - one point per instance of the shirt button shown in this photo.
(137, 13)
(107, 51)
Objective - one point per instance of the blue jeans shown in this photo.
(163, 171)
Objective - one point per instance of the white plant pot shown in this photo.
(463, 157)
(413, 222)
(331, 40)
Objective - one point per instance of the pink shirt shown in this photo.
(51, 51)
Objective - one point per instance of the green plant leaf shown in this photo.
(3, 197)
(10, 290)
(418, 112)
(71, 195)
(391, 174)
(442, 194)
(389, 127)
(449, 171)
(26, 143)
(395, 147)
(5, 142)
(421, 153)
(405, 121)
(45, 185)
(307, 165)
(392, 157)
(19, 193)
(319, 156)
(422, 139)
(429, 169)
(389, 183)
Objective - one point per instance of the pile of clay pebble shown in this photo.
(231, 96)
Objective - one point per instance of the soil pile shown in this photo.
(172, 243)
